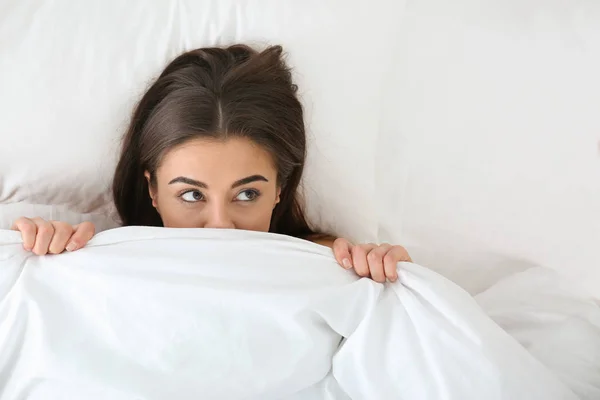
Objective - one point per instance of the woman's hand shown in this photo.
(54, 237)
(370, 260)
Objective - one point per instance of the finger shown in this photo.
(62, 234)
(391, 260)
(45, 231)
(359, 258)
(83, 233)
(375, 261)
(28, 230)
(341, 252)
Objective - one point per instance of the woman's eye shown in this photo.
(247, 195)
(192, 196)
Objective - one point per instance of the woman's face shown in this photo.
(216, 184)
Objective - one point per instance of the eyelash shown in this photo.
(191, 191)
(255, 192)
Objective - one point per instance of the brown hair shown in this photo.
(216, 93)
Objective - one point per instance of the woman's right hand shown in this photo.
(53, 237)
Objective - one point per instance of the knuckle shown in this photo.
(22, 220)
(389, 258)
(402, 256)
(373, 256)
(26, 228)
(45, 229)
(382, 251)
(400, 250)
(62, 226)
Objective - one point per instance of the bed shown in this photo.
(466, 132)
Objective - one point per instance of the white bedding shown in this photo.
(154, 313)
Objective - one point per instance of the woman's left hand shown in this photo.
(370, 260)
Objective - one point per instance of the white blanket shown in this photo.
(155, 313)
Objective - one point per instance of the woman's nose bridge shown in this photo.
(219, 215)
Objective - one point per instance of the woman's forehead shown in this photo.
(221, 159)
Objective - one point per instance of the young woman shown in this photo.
(218, 141)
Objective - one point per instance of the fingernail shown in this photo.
(71, 246)
(346, 263)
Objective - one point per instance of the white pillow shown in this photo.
(488, 145)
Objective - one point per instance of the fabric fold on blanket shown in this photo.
(157, 313)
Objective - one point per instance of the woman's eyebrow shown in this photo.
(189, 181)
(243, 181)
(249, 179)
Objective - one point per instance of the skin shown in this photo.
(228, 184)
(216, 184)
